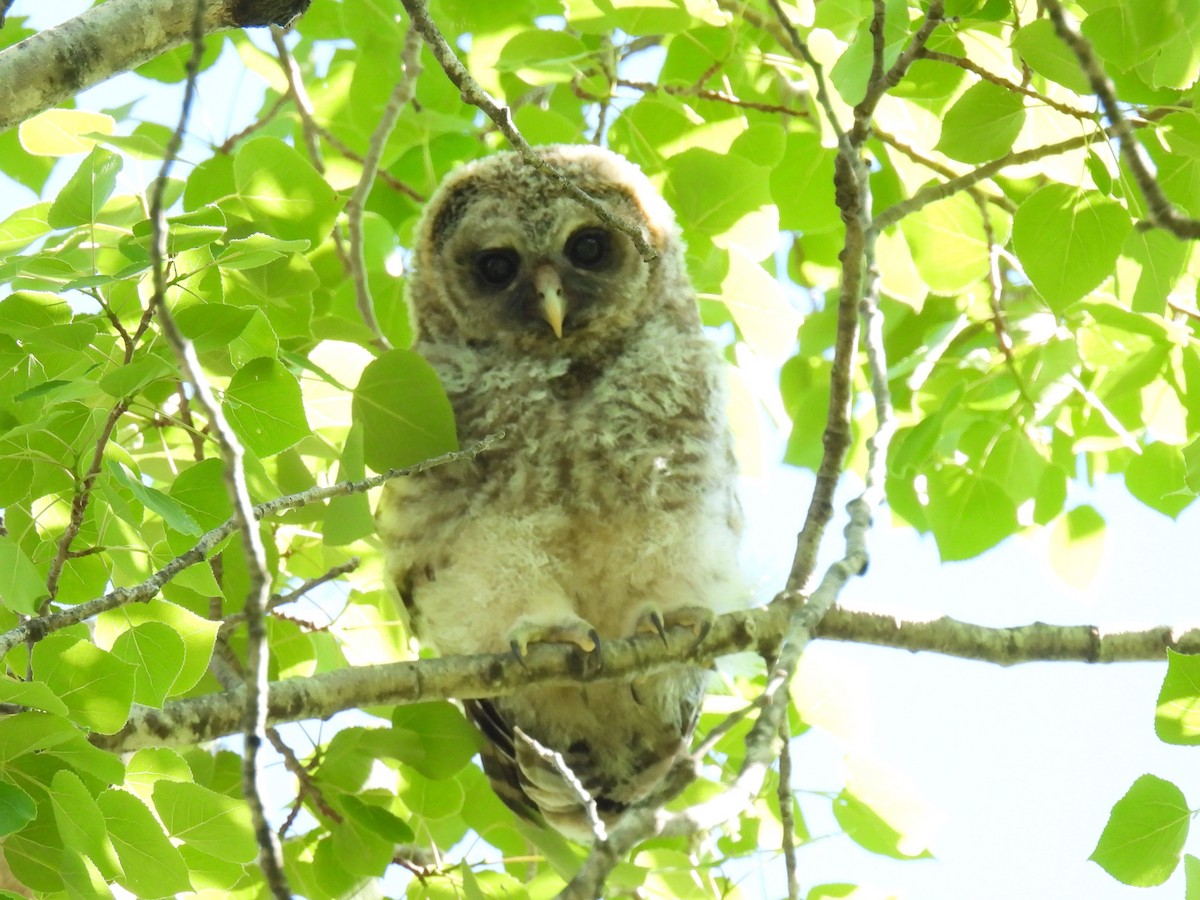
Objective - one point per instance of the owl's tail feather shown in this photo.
(536, 782)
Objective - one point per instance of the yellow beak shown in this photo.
(549, 288)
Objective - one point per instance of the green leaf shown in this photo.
(982, 124)
(349, 517)
(25, 313)
(711, 192)
(759, 306)
(283, 192)
(802, 185)
(23, 227)
(1157, 477)
(967, 514)
(129, 380)
(544, 57)
(150, 863)
(34, 694)
(197, 633)
(867, 828)
(210, 326)
(17, 808)
(264, 406)
(381, 821)
(1177, 717)
(1191, 868)
(87, 190)
(96, 686)
(1145, 834)
(22, 587)
(1077, 546)
(1068, 241)
(81, 823)
(206, 820)
(1151, 263)
(156, 653)
(433, 738)
(60, 132)
(949, 246)
(404, 411)
(1041, 48)
(170, 510)
(32, 732)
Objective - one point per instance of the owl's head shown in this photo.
(505, 255)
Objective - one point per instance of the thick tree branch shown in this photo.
(198, 719)
(58, 63)
(1038, 642)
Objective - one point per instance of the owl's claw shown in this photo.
(573, 630)
(697, 618)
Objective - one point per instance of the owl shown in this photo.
(607, 509)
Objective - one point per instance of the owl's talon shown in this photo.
(697, 618)
(515, 647)
(572, 630)
(657, 621)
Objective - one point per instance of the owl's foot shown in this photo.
(567, 629)
(697, 618)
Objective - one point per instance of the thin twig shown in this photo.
(500, 114)
(1001, 81)
(401, 96)
(945, 171)
(555, 760)
(276, 107)
(80, 500)
(254, 719)
(304, 106)
(1159, 209)
(649, 87)
(786, 817)
(277, 600)
(796, 45)
(882, 82)
(37, 628)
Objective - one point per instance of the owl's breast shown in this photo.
(636, 427)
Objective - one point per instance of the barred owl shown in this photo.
(609, 506)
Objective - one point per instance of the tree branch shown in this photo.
(53, 65)
(33, 630)
(401, 95)
(1159, 209)
(198, 719)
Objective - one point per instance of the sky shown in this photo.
(1010, 772)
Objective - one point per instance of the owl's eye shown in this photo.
(588, 248)
(497, 267)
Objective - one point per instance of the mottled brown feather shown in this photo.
(612, 494)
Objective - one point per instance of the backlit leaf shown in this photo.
(1145, 834)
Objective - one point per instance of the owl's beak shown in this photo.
(549, 288)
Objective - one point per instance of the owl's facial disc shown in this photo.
(549, 290)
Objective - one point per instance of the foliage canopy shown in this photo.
(1020, 246)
